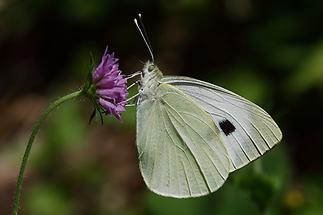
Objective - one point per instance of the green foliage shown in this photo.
(46, 199)
(310, 72)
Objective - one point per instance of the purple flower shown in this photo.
(110, 84)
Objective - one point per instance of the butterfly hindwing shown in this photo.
(248, 130)
(181, 151)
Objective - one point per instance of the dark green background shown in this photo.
(270, 52)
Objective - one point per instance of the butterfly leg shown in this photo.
(132, 98)
(133, 84)
(133, 75)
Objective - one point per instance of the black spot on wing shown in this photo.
(227, 127)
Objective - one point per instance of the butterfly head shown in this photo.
(150, 68)
(151, 72)
(150, 76)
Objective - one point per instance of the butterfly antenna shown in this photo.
(144, 35)
(145, 31)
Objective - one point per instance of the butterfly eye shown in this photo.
(151, 68)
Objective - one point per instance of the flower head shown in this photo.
(110, 85)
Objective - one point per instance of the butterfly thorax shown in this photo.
(149, 82)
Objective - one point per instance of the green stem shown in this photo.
(35, 129)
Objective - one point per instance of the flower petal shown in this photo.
(111, 86)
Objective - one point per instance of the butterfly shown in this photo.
(192, 134)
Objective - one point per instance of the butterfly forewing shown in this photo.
(248, 131)
(181, 150)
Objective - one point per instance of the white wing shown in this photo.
(181, 152)
(247, 129)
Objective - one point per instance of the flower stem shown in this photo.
(35, 129)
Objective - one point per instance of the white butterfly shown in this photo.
(191, 134)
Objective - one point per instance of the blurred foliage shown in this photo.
(310, 72)
(271, 52)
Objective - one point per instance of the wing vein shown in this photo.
(178, 134)
(207, 143)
